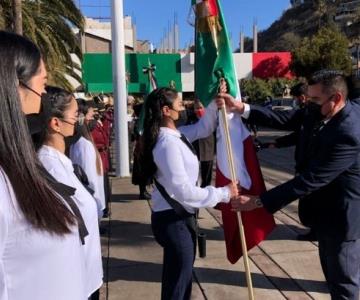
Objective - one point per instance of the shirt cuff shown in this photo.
(225, 194)
(246, 112)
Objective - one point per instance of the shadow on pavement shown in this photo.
(139, 271)
(124, 198)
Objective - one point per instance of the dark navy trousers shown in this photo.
(340, 261)
(179, 244)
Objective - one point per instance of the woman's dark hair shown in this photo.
(83, 106)
(55, 102)
(42, 208)
(154, 103)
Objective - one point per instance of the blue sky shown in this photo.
(153, 16)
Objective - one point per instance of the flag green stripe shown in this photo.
(208, 62)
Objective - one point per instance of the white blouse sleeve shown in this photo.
(85, 155)
(170, 164)
(204, 127)
(86, 158)
(4, 212)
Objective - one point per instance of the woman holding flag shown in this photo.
(169, 159)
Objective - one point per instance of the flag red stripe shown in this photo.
(213, 8)
(258, 223)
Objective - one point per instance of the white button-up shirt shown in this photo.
(60, 167)
(178, 167)
(35, 264)
(83, 153)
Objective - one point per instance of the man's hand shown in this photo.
(231, 104)
(245, 203)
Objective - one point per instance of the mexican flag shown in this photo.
(214, 61)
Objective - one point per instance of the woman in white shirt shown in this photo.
(169, 159)
(41, 254)
(85, 154)
(62, 119)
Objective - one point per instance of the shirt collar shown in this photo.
(52, 152)
(169, 131)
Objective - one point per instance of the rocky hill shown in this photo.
(304, 20)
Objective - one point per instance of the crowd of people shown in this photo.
(54, 164)
(54, 187)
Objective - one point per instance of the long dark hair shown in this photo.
(154, 103)
(42, 208)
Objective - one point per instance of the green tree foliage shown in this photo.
(258, 89)
(328, 49)
(49, 24)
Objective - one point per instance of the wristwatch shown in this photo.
(258, 202)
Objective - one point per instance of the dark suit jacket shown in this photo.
(329, 184)
(300, 121)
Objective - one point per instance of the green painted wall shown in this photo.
(97, 71)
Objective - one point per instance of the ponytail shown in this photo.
(154, 103)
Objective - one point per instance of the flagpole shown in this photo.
(241, 226)
(119, 88)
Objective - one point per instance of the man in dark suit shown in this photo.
(328, 185)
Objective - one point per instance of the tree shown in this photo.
(328, 49)
(17, 17)
(49, 24)
(256, 89)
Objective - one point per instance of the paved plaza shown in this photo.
(282, 267)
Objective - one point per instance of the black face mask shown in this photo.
(92, 124)
(70, 140)
(37, 122)
(315, 111)
(183, 118)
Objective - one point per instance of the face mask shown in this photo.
(92, 124)
(200, 112)
(37, 122)
(315, 111)
(70, 140)
(30, 89)
(182, 120)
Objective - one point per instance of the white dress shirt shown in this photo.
(35, 264)
(83, 154)
(178, 167)
(60, 167)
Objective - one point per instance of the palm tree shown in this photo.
(17, 17)
(50, 24)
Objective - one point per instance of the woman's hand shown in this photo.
(231, 104)
(234, 190)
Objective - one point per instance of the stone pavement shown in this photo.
(282, 267)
